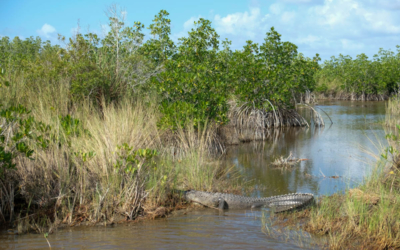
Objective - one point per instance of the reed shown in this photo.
(103, 174)
(392, 117)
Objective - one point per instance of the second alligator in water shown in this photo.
(222, 201)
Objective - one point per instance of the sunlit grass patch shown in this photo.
(392, 117)
(363, 217)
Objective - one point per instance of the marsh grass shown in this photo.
(82, 178)
(366, 217)
(392, 117)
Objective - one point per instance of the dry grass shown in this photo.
(63, 184)
(288, 162)
(392, 117)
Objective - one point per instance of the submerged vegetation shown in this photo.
(360, 79)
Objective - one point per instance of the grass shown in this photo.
(366, 217)
(392, 117)
(86, 178)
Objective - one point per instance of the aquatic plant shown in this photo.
(287, 162)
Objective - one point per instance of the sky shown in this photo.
(326, 27)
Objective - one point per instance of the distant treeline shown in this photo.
(361, 78)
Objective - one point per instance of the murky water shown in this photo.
(333, 151)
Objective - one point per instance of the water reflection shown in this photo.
(332, 151)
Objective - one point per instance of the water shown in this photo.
(335, 159)
(334, 151)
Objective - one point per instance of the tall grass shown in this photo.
(392, 117)
(76, 179)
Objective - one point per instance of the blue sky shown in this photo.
(327, 27)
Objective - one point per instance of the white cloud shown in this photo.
(310, 39)
(288, 16)
(351, 45)
(302, 1)
(189, 24)
(47, 31)
(276, 8)
(327, 27)
(246, 23)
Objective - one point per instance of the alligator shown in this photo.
(223, 201)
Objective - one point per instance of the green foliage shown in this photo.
(160, 47)
(272, 73)
(193, 79)
(3, 82)
(130, 161)
(193, 85)
(199, 77)
(85, 156)
(17, 132)
(361, 75)
(72, 126)
(390, 149)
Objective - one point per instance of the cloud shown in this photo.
(391, 4)
(245, 23)
(187, 26)
(327, 27)
(276, 8)
(288, 16)
(47, 31)
(302, 1)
